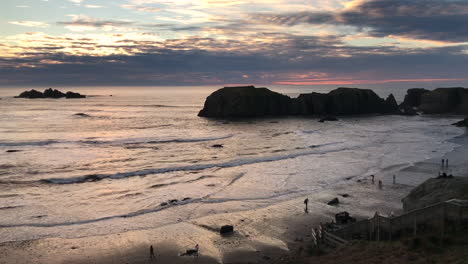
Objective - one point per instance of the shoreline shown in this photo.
(265, 235)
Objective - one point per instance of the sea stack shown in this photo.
(49, 93)
(248, 101)
(439, 101)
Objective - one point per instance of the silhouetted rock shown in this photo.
(408, 110)
(245, 101)
(33, 94)
(248, 101)
(354, 101)
(445, 100)
(53, 93)
(217, 146)
(13, 150)
(413, 97)
(344, 218)
(463, 123)
(310, 104)
(226, 229)
(335, 201)
(391, 105)
(49, 93)
(328, 118)
(72, 95)
(81, 114)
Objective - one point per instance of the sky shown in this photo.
(401, 43)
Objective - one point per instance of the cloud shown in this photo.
(142, 8)
(29, 23)
(441, 20)
(82, 23)
(145, 59)
(94, 6)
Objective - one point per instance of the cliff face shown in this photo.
(440, 101)
(249, 101)
(436, 190)
(445, 100)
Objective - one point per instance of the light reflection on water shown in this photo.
(141, 148)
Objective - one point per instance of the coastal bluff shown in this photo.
(248, 101)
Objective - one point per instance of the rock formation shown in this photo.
(49, 93)
(440, 101)
(463, 123)
(413, 97)
(245, 101)
(445, 100)
(248, 101)
(33, 94)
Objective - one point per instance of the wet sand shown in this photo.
(267, 235)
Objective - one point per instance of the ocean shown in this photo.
(142, 158)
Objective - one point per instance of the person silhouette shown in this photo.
(443, 162)
(380, 184)
(372, 176)
(306, 202)
(152, 256)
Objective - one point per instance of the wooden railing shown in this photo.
(386, 228)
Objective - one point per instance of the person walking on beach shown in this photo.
(446, 163)
(152, 256)
(443, 162)
(380, 184)
(306, 202)
(372, 176)
(394, 179)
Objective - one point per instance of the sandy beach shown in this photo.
(266, 235)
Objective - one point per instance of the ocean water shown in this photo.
(141, 158)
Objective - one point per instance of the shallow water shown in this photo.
(118, 166)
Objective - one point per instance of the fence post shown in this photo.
(378, 227)
(442, 225)
(390, 223)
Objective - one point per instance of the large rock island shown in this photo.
(49, 93)
(248, 101)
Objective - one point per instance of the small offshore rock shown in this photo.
(217, 146)
(335, 201)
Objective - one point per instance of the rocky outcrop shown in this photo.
(436, 190)
(53, 93)
(440, 101)
(245, 101)
(33, 94)
(463, 123)
(49, 93)
(445, 100)
(248, 101)
(413, 97)
(72, 95)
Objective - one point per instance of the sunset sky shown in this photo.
(216, 42)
